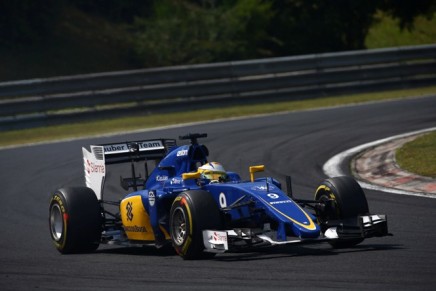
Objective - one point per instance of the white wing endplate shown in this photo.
(95, 169)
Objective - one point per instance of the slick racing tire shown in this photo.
(349, 201)
(192, 212)
(75, 220)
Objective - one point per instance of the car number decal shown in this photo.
(273, 195)
(222, 199)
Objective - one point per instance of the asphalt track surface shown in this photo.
(295, 143)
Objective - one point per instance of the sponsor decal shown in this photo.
(218, 237)
(263, 188)
(91, 167)
(60, 241)
(162, 178)
(129, 208)
(280, 202)
(135, 228)
(151, 198)
(125, 147)
(59, 201)
(182, 153)
(176, 181)
(115, 148)
(146, 145)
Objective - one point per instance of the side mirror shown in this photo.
(254, 169)
(186, 176)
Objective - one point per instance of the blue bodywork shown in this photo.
(245, 204)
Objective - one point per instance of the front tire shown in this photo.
(191, 213)
(75, 220)
(346, 200)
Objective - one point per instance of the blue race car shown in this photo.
(200, 208)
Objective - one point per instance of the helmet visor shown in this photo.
(214, 175)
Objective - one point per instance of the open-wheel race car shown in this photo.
(200, 208)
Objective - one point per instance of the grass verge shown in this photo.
(419, 155)
(34, 135)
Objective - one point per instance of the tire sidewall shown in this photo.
(81, 217)
(350, 201)
(181, 204)
(348, 194)
(59, 200)
(201, 212)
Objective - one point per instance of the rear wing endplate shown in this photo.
(95, 169)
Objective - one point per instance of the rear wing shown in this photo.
(95, 161)
(137, 150)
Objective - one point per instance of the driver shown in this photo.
(213, 171)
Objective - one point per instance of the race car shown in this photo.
(198, 207)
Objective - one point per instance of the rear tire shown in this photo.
(75, 220)
(349, 201)
(191, 213)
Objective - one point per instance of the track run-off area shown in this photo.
(374, 166)
(295, 143)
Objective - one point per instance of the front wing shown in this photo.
(367, 226)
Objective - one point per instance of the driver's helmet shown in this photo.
(213, 171)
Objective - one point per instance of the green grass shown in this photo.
(8, 138)
(419, 155)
